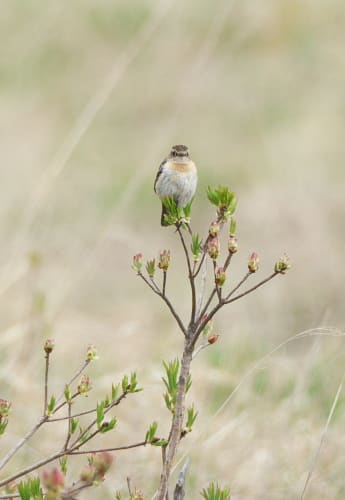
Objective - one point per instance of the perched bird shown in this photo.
(176, 178)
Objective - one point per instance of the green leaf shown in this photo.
(151, 267)
(63, 464)
(108, 426)
(100, 414)
(232, 227)
(150, 434)
(160, 442)
(196, 247)
(74, 425)
(214, 492)
(191, 417)
(3, 425)
(115, 390)
(51, 405)
(67, 394)
(125, 383)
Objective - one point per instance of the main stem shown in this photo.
(177, 421)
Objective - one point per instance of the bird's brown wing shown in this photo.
(160, 170)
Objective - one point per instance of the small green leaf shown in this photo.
(51, 405)
(214, 492)
(232, 227)
(100, 414)
(74, 425)
(63, 464)
(125, 383)
(115, 390)
(108, 426)
(151, 267)
(3, 425)
(67, 394)
(191, 417)
(150, 434)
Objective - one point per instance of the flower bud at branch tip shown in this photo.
(91, 353)
(137, 262)
(49, 345)
(283, 264)
(213, 248)
(164, 260)
(253, 262)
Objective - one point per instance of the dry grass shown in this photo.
(257, 91)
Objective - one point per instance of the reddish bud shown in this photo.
(213, 248)
(253, 262)
(212, 339)
(164, 260)
(137, 262)
(49, 345)
(220, 277)
(102, 462)
(53, 481)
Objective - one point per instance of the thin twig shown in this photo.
(250, 290)
(243, 280)
(164, 282)
(60, 454)
(168, 303)
(79, 372)
(323, 435)
(21, 443)
(202, 290)
(46, 372)
(190, 275)
(117, 448)
(69, 432)
(75, 444)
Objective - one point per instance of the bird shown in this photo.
(176, 178)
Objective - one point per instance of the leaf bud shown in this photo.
(283, 264)
(220, 277)
(214, 229)
(232, 244)
(49, 346)
(213, 248)
(85, 384)
(91, 353)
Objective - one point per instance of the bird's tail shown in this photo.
(164, 212)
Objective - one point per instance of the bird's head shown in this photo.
(179, 152)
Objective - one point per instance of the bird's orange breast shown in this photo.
(182, 167)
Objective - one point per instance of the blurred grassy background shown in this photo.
(93, 95)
